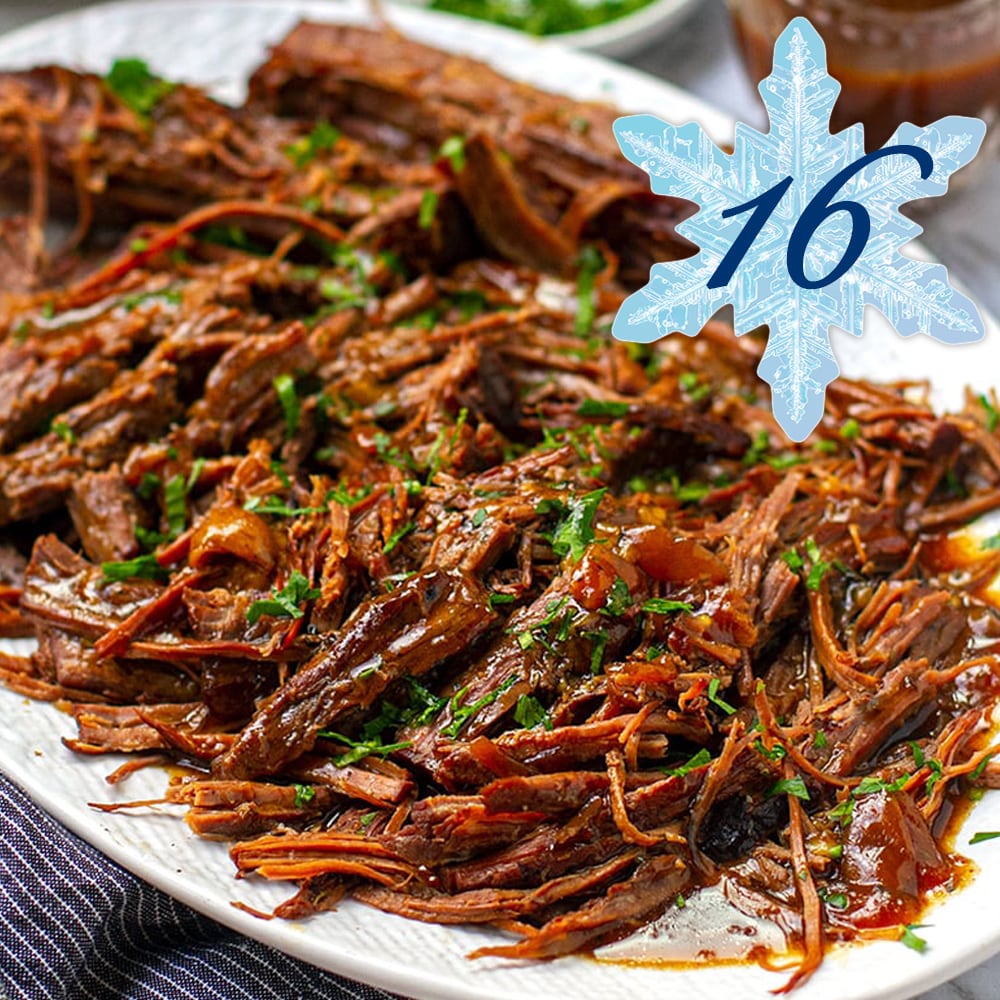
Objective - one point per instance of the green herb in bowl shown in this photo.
(542, 17)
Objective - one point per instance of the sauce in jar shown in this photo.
(897, 60)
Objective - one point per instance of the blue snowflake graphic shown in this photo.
(683, 162)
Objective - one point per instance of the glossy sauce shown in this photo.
(932, 73)
(708, 929)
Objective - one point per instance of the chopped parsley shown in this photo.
(341, 295)
(362, 748)
(871, 783)
(342, 495)
(284, 603)
(600, 639)
(131, 81)
(149, 540)
(793, 560)
(850, 429)
(460, 714)
(912, 940)
(690, 383)
(279, 470)
(428, 209)
(543, 17)
(320, 140)
(591, 263)
(170, 296)
(790, 786)
(819, 567)
(776, 752)
(529, 713)
(148, 485)
(64, 431)
(758, 448)
(982, 837)
(284, 386)
(576, 531)
(453, 150)
(175, 503)
(619, 599)
(666, 606)
(397, 536)
(141, 568)
(713, 697)
(700, 759)
(304, 794)
(277, 506)
(992, 414)
(602, 408)
(424, 704)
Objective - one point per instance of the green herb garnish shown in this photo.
(304, 794)
(64, 431)
(591, 263)
(529, 713)
(175, 504)
(666, 606)
(428, 209)
(713, 697)
(912, 940)
(794, 561)
(980, 838)
(700, 759)
(148, 485)
(992, 414)
(284, 386)
(850, 429)
(460, 714)
(131, 81)
(776, 752)
(397, 536)
(453, 150)
(576, 532)
(277, 506)
(284, 603)
(141, 568)
(362, 748)
(602, 408)
(790, 786)
(320, 140)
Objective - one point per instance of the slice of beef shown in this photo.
(105, 514)
(425, 621)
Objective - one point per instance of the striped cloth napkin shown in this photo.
(76, 926)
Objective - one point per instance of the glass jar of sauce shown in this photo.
(896, 60)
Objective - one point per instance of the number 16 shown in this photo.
(816, 212)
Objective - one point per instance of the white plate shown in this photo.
(217, 44)
(625, 35)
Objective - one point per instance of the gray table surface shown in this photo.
(962, 228)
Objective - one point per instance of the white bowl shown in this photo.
(624, 35)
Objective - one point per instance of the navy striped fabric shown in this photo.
(76, 926)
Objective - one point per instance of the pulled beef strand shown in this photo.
(330, 483)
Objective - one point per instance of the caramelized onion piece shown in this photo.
(232, 531)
